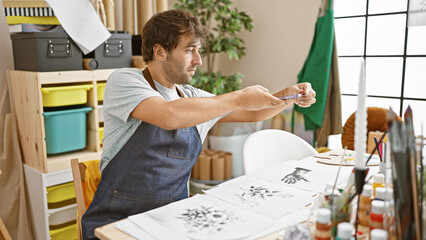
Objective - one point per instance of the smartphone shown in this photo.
(292, 96)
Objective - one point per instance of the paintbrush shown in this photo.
(376, 148)
(408, 119)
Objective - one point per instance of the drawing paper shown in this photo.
(266, 198)
(205, 217)
(295, 174)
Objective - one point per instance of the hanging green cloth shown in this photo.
(316, 69)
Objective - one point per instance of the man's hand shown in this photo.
(304, 88)
(255, 98)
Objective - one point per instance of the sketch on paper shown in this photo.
(253, 195)
(297, 175)
(266, 198)
(310, 177)
(207, 219)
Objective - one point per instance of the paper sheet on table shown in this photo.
(133, 230)
(283, 223)
(263, 197)
(298, 175)
(204, 217)
(80, 21)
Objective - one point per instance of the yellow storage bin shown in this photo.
(60, 193)
(101, 134)
(67, 232)
(65, 95)
(101, 90)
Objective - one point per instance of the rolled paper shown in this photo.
(195, 173)
(361, 122)
(228, 165)
(218, 168)
(162, 5)
(145, 11)
(128, 16)
(205, 167)
(118, 13)
(110, 14)
(90, 64)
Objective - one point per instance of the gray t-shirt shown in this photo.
(124, 90)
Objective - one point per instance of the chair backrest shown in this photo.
(79, 170)
(270, 146)
(376, 121)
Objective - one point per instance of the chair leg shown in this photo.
(4, 233)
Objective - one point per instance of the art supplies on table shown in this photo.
(333, 158)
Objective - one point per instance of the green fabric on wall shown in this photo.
(316, 69)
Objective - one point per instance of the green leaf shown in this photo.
(224, 22)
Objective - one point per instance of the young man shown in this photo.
(154, 128)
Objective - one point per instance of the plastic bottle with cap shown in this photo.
(365, 205)
(380, 194)
(378, 181)
(389, 220)
(323, 224)
(378, 234)
(377, 214)
(344, 231)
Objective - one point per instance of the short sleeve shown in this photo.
(124, 90)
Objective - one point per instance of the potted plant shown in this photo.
(223, 23)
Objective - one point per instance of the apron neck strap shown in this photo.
(148, 77)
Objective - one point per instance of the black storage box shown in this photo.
(45, 51)
(136, 45)
(116, 52)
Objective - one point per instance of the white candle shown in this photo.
(361, 122)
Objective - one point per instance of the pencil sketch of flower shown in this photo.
(253, 195)
(207, 219)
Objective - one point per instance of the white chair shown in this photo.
(270, 146)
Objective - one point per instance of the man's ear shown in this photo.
(159, 52)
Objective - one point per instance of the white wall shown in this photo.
(278, 44)
(6, 59)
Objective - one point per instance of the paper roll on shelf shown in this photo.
(205, 167)
(162, 5)
(128, 16)
(118, 14)
(218, 167)
(145, 11)
(110, 14)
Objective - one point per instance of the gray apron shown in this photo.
(150, 171)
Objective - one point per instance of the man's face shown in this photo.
(181, 62)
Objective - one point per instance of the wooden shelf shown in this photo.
(27, 103)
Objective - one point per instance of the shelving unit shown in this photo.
(27, 101)
(37, 184)
(41, 169)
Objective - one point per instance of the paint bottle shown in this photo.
(380, 194)
(323, 224)
(344, 231)
(378, 234)
(377, 214)
(378, 181)
(389, 220)
(365, 206)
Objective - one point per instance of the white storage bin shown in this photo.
(62, 215)
(101, 113)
